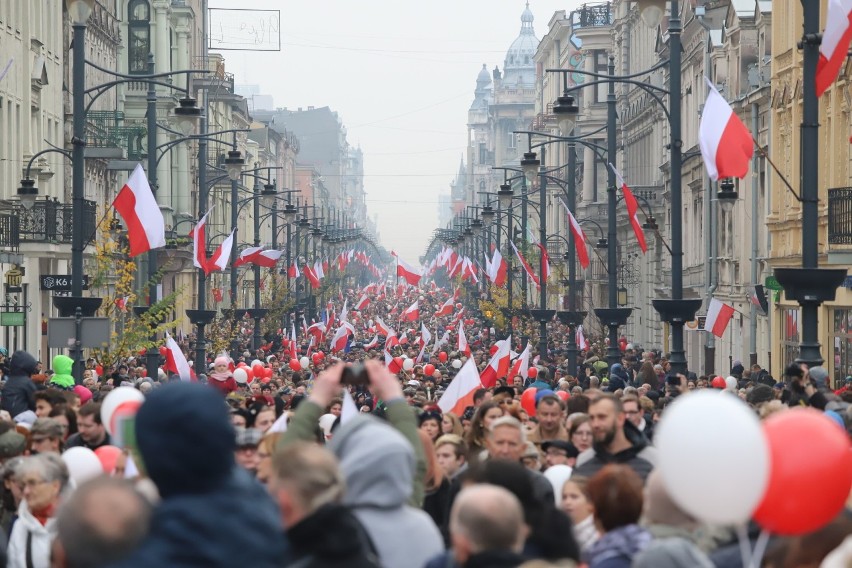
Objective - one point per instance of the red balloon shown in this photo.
(493, 350)
(528, 400)
(257, 370)
(142, 352)
(265, 380)
(294, 364)
(810, 473)
(163, 350)
(718, 383)
(428, 369)
(267, 373)
(442, 356)
(321, 355)
(316, 358)
(563, 395)
(532, 372)
(99, 370)
(108, 456)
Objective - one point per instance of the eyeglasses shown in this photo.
(31, 483)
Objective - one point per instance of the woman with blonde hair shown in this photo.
(264, 455)
(450, 424)
(487, 413)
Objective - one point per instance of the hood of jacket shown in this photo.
(185, 438)
(623, 542)
(62, 365)
(377, 462)
(22, 363)
(638, 442)
(332, 534)
(194, 530)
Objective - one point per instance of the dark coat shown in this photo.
(19, 392)
(634, 456)
(330, 538)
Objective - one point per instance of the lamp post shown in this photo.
(809, 285)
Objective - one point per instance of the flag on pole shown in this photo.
(412, 312)
(146, 228)
(293, 271)
(459, 393)
(632, 208)
(373, 342)
(498, 269)
(835, 43)
(521, 365)
(445, 309)
(580, 239)
(463, 346)
(219, 260)
(526, 265)
(725, 142)
(362, 303)
(175, 359)
(199, 243)
(498, 366)
(719, 314)
(409, 273)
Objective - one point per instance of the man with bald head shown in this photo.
(102, 522)
(487, 527)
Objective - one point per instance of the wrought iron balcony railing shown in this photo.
(50, 221)
(108, 129)
(594, 15)
(840, 216)
(10, 232)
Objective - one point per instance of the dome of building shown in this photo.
(519, 65)
(484, 77)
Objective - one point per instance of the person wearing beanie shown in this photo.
(62, 365)
(221, 378)
(84, 394)
(212, 512)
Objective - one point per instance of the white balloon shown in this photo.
(731, 383)
(256, 362)
(305, 362)
(240, 376)
(408, 364)
(113, 400)
(557, 475)
(82, 464)
(457, 364)
(713, 456)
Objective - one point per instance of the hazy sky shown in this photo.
(401, 75)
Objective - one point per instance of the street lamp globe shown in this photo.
(268, 194)
(79, 10)
(651, 11)
(290, 212)
(529, 165)
(504, 195)
(566, 114)
(487, 216)
(27, 193)
(234, 164)
(727, 195)
(187, 114)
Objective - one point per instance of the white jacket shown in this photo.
(41, 540)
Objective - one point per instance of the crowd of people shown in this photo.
(298, 463)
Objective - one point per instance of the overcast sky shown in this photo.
(401, 75)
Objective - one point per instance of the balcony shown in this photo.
(10, 232)
(593, 16)
(109, 136)
(840, 216)
(50, 222)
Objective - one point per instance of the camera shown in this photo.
(355, 374)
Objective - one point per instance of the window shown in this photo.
(789, 336)
(483, 154)
(602, 67)
(842, 339)
(139, 32)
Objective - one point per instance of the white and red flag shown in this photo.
(135, 202)
(373, 342)
(498, 366)
(341, 336)
(579, 237)
(632, 208)
(408, 272)
(521, 366)
(391, 363)
(498, 268)
(121, 303)
(175, 360)
(199, 243)
(459, 393)
(311, 276)
(725, 142)
(412, 312)
(381, 327)
(581, 340)
(463, 346)
(362, 303)
(293, 271)
(445, 309)
(719, 314)
(526, 265)
(545, 261)
(258, 256)
(219, 260)
(835, 43)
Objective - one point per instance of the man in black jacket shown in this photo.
(19, 393)
(308, 486)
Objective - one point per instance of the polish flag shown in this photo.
(499, 269)
(581, 340)
(199, 243)
(318, 269)
(325, 266)
(726, 144)
(522, 364)
(446, 309)
(835, 43)
(545, 261)
(121, 303)
(459, 393)
(381, 327)
(362, 303)
(311, 276)
(391, 364)
(445, 339)
(463, 346)
(580, 239)
(632, 208)
(219, 260)
(409, 273)
(526, 265)
(341, 336)
(456, 267)
(175, 359)
(344, 311)
(246, 254)
(316, 330)
(373, 342)
(293, 271)
(719, 314)
(146, 228)
(425, 335)
(498, 366)
(412, 312)
(267, 258)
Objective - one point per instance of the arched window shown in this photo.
(139, 33)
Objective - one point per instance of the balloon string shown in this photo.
(759, 549)
(745, 549)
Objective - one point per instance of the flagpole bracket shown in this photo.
(67, 305)
(810, 285)
(571, 318)
(677, 311)
(809, 39)
(201, 317)
(542, 315)
(614, 317)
